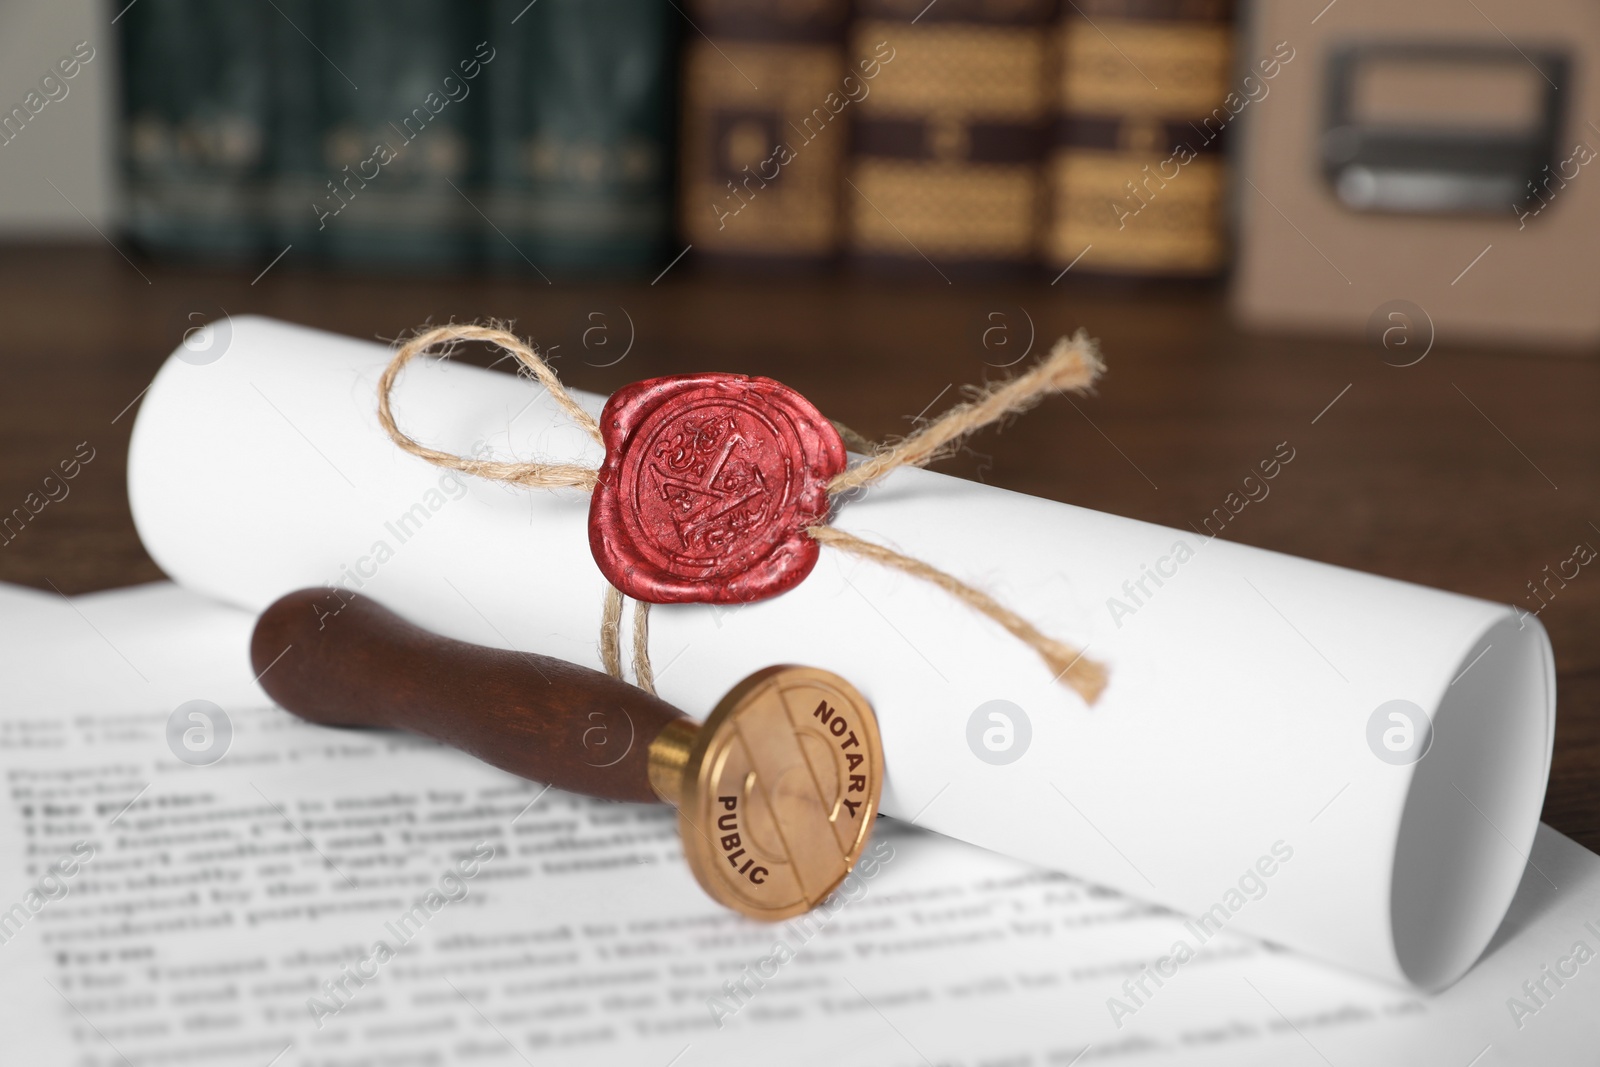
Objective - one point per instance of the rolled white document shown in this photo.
(1252, 763)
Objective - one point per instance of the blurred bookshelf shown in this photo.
(565, 139)
(1337, 172)
(400, 134)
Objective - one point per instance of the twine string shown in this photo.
(642, 671)
(1067, 663)
(853, 441)
(529, 475)
(611, 631)
(1072, 364)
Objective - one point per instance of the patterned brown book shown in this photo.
(947, 151)
(765, 129)
(1137, 176)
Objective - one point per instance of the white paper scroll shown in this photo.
(1240, 768)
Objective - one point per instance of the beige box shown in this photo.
(1431, 156)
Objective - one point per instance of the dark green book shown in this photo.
(194, 137)
(294, 125)
(400, 88)
(580, 136)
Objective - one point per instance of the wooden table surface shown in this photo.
(1472, 470)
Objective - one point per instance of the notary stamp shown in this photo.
(781, 791)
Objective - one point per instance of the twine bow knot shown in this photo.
(1073, 364)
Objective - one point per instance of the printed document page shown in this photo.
(191, 875)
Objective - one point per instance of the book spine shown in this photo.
(764, 131)
(396, 140)
(294, 133)
(1137, 173)
(579, 136)
(195, 106)
(946, 163)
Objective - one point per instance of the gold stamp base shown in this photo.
(776, 792)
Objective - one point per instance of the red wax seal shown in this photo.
(708, 484)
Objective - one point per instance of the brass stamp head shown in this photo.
(776, 792)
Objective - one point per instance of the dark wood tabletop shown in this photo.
(1472, 470)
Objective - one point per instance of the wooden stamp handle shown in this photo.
(340, 660)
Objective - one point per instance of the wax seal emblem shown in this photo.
(708, 484)
(779, 791)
